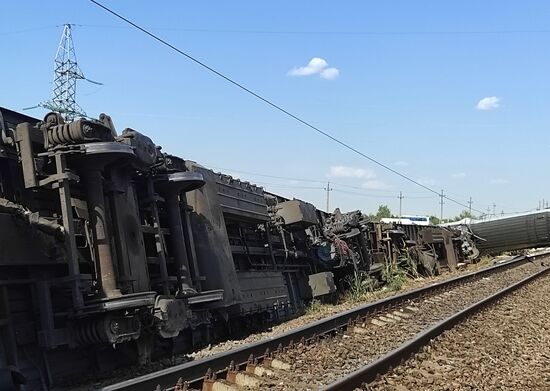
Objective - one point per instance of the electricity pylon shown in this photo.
(66, 73)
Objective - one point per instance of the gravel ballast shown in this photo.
(322, 363)
(504, 347)
(319, 312)
(326, 310)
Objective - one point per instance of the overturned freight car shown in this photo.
(113, 251)
(518, 232)
(431, 248)
(109, 242)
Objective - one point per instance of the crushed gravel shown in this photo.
(315, 365)
(346, 303)
(315, 313)
(504, 347)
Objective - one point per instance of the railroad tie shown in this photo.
(377, 322)
(392, 316)
(360, 330)
(402, 314)
(278, 364)
(261, 371)
(245, 379)
(411, 309)
(386, 320)
(221, 385)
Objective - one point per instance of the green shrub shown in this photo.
(394, 276)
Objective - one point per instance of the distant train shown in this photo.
(115, 252)
(407, 220)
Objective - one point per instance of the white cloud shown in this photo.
(370, 181)
(488, 103)
(459, 175)
(374, 184)
(401, 163)
(329, 73)
(426, 181)
(499, 181)
(315, 66)
(351, 172)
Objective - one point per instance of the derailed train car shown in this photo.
(113, 251)
(511, 233)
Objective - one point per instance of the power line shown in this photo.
(317, 181)
(334, 32)
(363, 194)
(275, 106)
(268, 175)
(281, 186)
(380, 190)
(309, 180)
(13, 32)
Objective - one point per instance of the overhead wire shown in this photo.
(13, 32)
(332, 183)
(288, 186)
(267, 175)
(378, 195)
(331, 32)
(362, 194)
(276, 106)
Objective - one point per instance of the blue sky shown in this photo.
(409, 77)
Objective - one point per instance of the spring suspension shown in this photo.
(77, 132)
(107, 329)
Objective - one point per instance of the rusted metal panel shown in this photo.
(297, 214)
(262, 290)
(211, 240)
(322, 284)
(241, 199)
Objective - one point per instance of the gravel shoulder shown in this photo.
(504, 347)
(315, 365)
(314, 313)
(321, 311)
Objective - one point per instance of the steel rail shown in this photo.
(394, 358)
(193, 372)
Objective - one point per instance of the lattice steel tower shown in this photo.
(67, 72)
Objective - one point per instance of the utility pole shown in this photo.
(488, 212)
(400, 196)
(470, 202)
(494, 209)
(328, 189)
(441, 203)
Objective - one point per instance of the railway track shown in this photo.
(343, 351)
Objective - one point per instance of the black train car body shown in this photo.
(113, 251)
